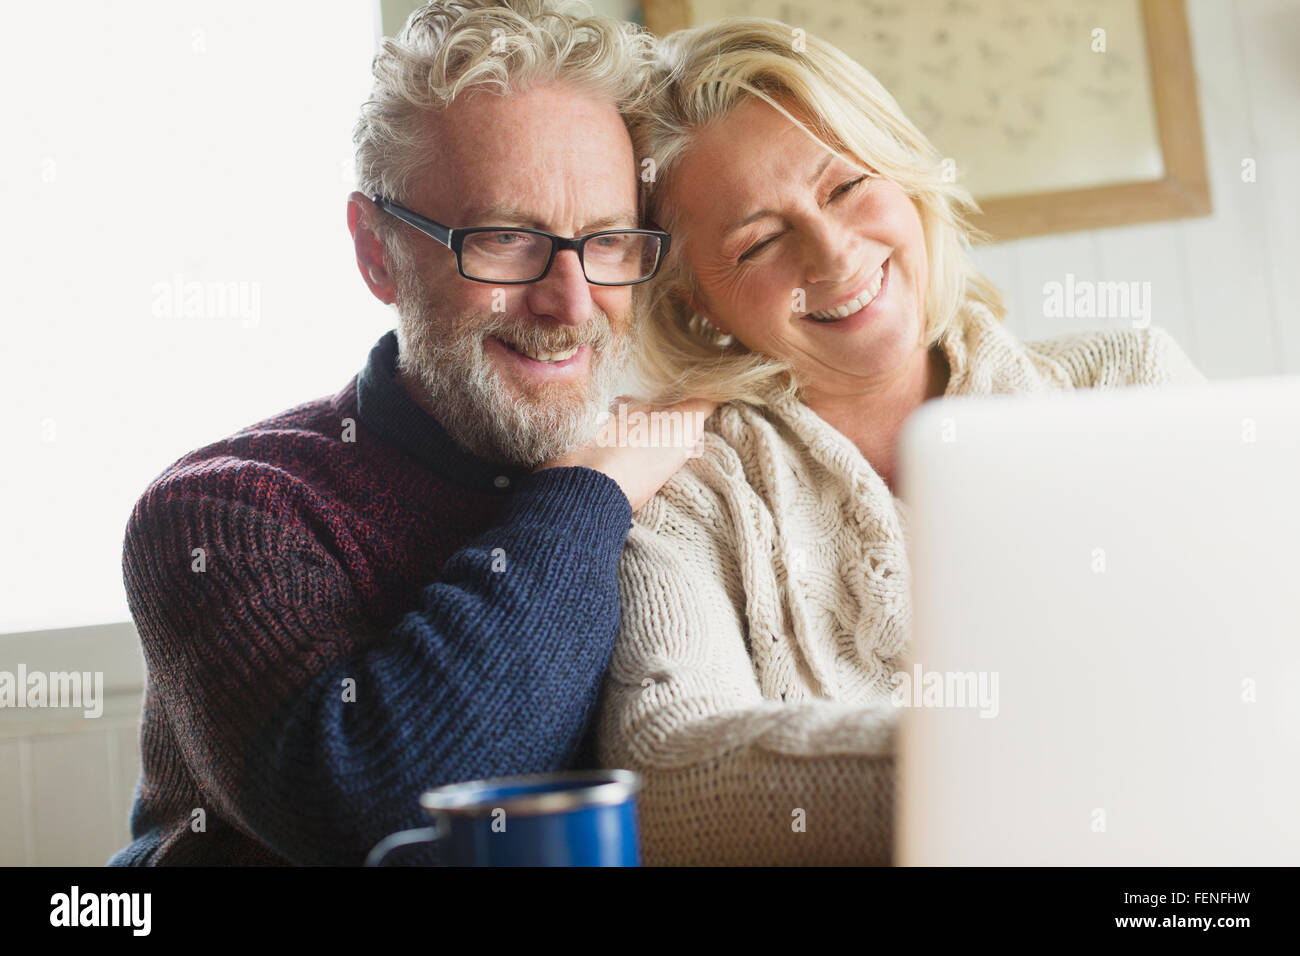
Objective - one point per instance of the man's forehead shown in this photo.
(557, 115)
(477, 197)
(511, 213)
(530, 157)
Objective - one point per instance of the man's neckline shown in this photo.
(384, 407)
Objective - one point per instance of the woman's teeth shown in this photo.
(856, 305)
(542, 356)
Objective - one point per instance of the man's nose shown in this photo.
(563, 294)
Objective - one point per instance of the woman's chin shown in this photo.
(881, 351)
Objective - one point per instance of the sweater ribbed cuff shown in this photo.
(574, 496)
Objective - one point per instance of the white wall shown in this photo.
(162, 144)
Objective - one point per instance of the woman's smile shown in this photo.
(859, 308)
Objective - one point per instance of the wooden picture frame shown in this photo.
(1182, 192)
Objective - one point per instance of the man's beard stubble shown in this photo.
(479, 409)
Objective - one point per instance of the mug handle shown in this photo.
(399, 839)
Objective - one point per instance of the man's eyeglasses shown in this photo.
(509, 256)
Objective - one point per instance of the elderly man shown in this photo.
(413, 581)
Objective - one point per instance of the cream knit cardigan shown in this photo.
(765, 605)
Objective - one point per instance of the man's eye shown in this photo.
(757, 247)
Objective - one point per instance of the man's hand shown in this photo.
(643, 446)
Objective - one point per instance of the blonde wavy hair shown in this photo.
(448, 47)
(699, 77)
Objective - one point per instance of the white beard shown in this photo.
(488, 416)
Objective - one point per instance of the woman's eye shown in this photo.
(757, 247)
(850, 185)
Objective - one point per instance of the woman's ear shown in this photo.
(688, 296)
(722, 329)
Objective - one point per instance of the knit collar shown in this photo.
(984, 358)
(384, 407)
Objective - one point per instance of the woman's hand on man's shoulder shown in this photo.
(641, 446)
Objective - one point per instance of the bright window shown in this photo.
(176, 258)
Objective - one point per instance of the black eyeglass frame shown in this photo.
(454, 239)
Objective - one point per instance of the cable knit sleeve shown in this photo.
(1166, 363)
(729, 777)
(1110, 358)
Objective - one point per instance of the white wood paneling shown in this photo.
(1268, 46)
(112, 649)
(1268, 41)
(1152, 253)
(15, 847)
(1052, 259)
(1227, 261)
(1001, 265)
(67, 780)
(73, 819)
(1280, 186)
(124, 754)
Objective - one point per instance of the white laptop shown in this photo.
(1105, 666)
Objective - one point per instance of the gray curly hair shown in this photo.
(450, 46)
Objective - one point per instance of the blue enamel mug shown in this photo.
(575, 818)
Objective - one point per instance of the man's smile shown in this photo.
(571, 365)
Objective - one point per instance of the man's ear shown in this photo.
(369, 250)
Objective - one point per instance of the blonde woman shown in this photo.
(819, 284)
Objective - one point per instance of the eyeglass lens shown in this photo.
(501, 255)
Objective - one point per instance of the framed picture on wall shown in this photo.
(1058, 116)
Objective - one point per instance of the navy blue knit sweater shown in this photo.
(340, 608)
